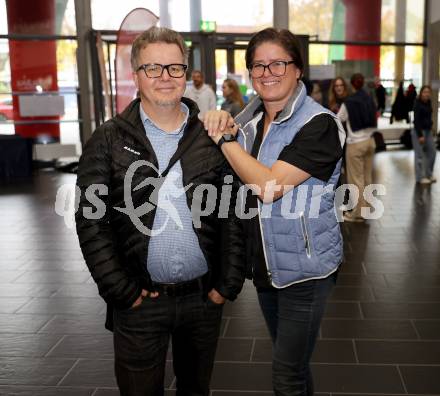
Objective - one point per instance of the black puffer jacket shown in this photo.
(114, 249)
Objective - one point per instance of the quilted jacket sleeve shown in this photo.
(232, 249)
(95, 234)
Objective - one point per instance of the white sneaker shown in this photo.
(432, 179)
(424, 180)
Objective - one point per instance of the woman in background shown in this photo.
(233, 100)
(337, 93)
(423, 142)
(316, 93)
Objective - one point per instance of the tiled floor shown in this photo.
(380, 336)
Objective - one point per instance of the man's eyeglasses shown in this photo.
(277, 68)
(155, 70)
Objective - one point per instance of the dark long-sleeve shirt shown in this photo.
(422, 116)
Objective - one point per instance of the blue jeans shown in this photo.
(424, 155)
(293, 316)
(141, 336)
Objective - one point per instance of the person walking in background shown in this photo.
(423, 142)
(359, 113)
(337, 93)
(233, 103)
(381, 95)
(288, 151)
(163, 277)
(201, 93)
(410, 96)
(399, 109)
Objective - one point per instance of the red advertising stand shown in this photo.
(33, 64)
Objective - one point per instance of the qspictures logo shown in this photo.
(304, 200)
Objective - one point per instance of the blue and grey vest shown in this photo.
(300, 232)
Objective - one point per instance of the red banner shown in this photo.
(33, 62)
(363, 23)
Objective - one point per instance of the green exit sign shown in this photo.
(208, 26)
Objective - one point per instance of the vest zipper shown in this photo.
(269, 273)
(305, 234)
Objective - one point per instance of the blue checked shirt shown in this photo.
(174, 253)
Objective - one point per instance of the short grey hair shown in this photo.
(157, 35)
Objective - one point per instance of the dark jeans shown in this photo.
(293, 316)
(141, 338)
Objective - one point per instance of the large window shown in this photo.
(379, 52)
(243, 16)
(229, 15)
(172, 13)
(3, 18)
(102, 19)
(325, 19)
(311, 17)
(392, 23)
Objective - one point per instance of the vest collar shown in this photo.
(256, 106)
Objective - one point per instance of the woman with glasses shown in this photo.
(287, 149)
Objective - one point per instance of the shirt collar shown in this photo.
(147, 122)
(261, 108)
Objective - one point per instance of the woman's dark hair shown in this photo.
(357, 81)
(422, 89)
(283, 37)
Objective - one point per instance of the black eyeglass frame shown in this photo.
(270, 70)
(145, 65)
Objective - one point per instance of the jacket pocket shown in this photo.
(305, 235)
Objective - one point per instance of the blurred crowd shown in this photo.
(358, 107)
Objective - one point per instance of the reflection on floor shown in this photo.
(381, 333)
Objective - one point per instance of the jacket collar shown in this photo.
(147, 121)
(256, 106)
(130, 121)
(131, 112)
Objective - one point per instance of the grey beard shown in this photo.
(167, 103)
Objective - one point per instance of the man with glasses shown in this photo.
(163, 275)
